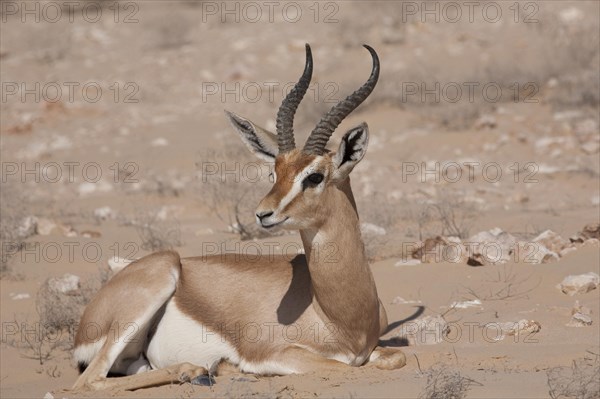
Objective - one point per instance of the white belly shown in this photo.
(179, 339)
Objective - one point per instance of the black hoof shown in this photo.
(203, 380)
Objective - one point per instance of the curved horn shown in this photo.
(287, 110)
(322, 132)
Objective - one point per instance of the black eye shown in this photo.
(312, 180)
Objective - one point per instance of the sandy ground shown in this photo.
(167, 74)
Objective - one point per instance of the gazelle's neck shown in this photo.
(342, 281)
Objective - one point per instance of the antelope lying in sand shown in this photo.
(163, 319)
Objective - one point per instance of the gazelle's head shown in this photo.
(303, 178)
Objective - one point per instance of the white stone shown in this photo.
(407, 262)
(45, 226)
(104, 213)
(16, 297)
(401, 301)
(27, 227)
(475, 303)
(515, 328)
(65, 284)
(591, 147)
(579, 284)
(570, 15)
(491, 247)
(371, 229)
(159, 142)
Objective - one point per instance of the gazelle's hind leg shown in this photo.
(115, 324)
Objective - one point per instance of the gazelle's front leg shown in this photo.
(183, 372)
(297, 360)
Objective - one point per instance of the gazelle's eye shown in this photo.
(272, 177)
(312, 180)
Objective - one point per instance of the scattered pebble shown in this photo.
(579, 284)
(104, 213)
(159, 142)
(401, 301)
(16, 297)
(466, 304)
(407, 262)
(580, 316)
(515, 328)
(45, 226)
(67, 284)
(371, 229)
(27, 227)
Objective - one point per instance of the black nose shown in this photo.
(263, 215)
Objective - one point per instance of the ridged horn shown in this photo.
(316, 142)
(287, 110)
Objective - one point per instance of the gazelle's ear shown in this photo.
(260, 141)
(352, 149)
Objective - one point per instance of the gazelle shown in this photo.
(163, 318)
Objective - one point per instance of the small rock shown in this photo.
(16, 297)
(591, 147)
(579, 284)
(580, 316)
(91, 234)
(466, 304)
(401, 301)
(515, 328)
(486, 121)
(580, 320)
(441, 249)
(590, 231)
(570, 15)
(67, 284)
(552, 241)
(45, 226)
(68, 231)
(427, 330)
(567, 251)
(159, 142)
(534, 253)
(371, 229)
(27, 227)
(104, 213)
(591, 242)
(407, 262)
(48, 395)
(490, 247)
(90, 188)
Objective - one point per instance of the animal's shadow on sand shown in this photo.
(398, 341)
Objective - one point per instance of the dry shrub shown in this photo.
(444, 383)
(231, 185)
(156, 233)
(449, 214)
(13, 208)
(59, 315)
(581, 380)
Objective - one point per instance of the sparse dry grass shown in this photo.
(581, 380)
(231, 185)
(444, 383)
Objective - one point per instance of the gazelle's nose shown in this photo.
(262, 215)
